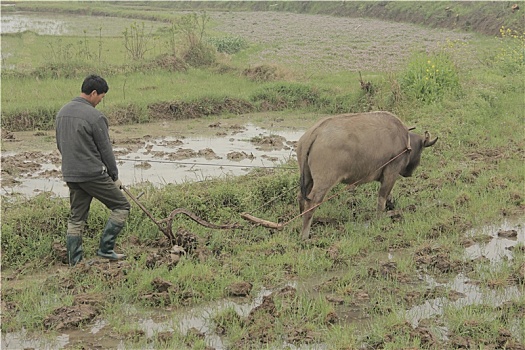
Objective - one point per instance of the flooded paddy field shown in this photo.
(160, 154)
(64, 24)
(226, 149)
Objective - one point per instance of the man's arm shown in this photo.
(101, 138)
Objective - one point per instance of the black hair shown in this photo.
(94, 82)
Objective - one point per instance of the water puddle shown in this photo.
(496, 249)
(194, 319)
(171, 160)
(66, 24)
(17, 23)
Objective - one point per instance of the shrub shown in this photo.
(428, 77)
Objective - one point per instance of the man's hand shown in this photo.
(118, 183)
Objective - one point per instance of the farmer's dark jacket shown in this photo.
(83, 140)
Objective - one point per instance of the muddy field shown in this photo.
(143, 148)
(157, 153)
(81, 325)
(197, 150)
(333, 43)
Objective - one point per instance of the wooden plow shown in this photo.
(262, 222)
(165, 225)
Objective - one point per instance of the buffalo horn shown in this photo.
(429, 142)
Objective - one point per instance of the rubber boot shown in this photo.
(107, 241)
(74, 249)
(74, 241)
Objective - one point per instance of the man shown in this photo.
(89, 169)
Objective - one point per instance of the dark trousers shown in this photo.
(82, 193)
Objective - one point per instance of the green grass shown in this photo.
(472, 177)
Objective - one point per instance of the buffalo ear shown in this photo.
(428, 142)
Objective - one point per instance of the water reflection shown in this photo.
(152, 162)
(17, 23)
(495, 250)
(22, 340)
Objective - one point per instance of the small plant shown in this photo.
(83, 50)
(428, 78)
(136, 41)
(61, 52)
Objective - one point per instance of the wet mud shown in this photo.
(231, 150)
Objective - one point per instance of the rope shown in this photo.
(276, 197)
(203, 164)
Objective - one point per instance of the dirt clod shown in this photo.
(67, 317)
(239, 289)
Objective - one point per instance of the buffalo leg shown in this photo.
(316, 197)
(389, 203)
(301, 202)
(384, 193)
(307, 222)
(307, 189)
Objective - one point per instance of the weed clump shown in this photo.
(229, 44)
(199, 55)
(429, 77)
(202, 107)
(41, 118)
(126, 114)
(171, 63)
(511, 55)
(262, 73)
(282, 96)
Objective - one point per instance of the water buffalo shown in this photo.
(355, 149)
